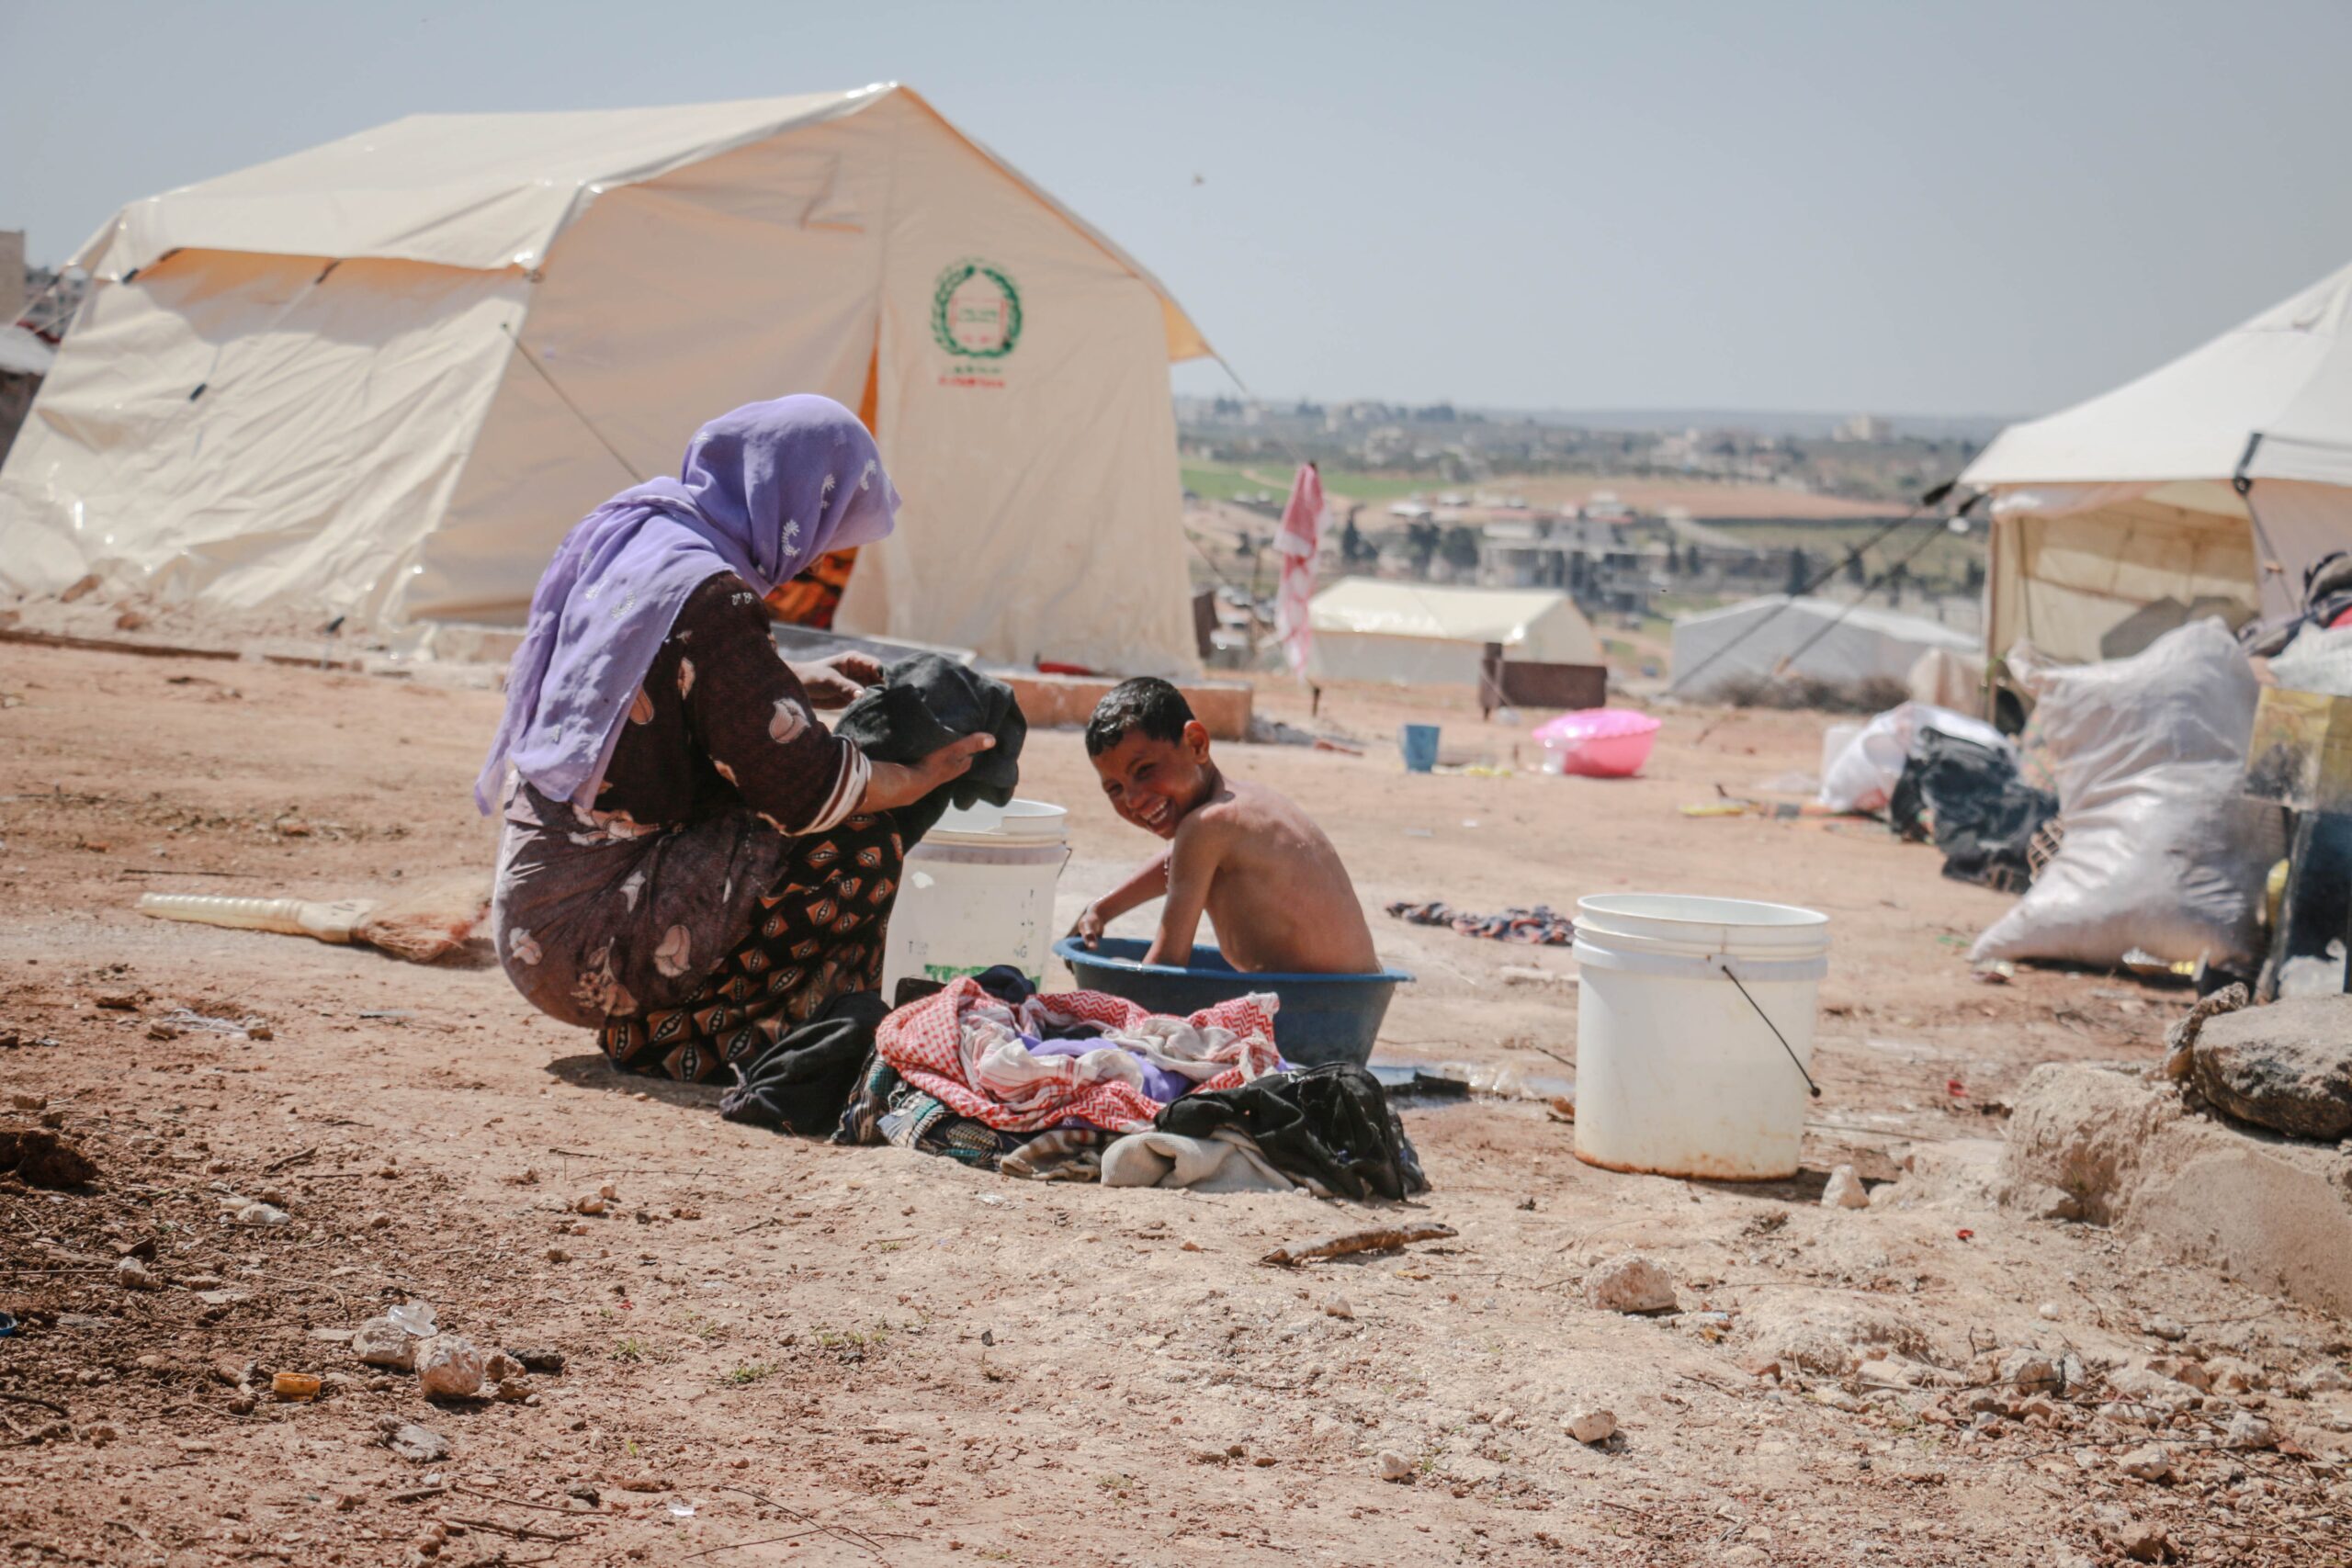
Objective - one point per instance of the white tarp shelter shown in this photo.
(2207, 485)
(1738, 648)
(382, 377)
(1413, 634)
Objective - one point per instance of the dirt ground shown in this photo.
(779, 1352)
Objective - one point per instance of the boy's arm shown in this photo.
(1137, 890)
(1191, 866)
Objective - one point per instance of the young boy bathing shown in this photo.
(1267, 877)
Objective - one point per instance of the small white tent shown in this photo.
(1411, 634)
(1734, 650)
(382, 377)
(2209, 484)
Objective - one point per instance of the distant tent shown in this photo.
(382, 377)
(2210, 481)
(1735, 650)
(1411, 634)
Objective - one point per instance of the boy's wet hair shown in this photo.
(1145, 703)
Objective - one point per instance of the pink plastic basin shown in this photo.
(1601, 743)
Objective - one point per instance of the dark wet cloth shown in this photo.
(1331, 1122)
(1979, 810)
(1540, 926)
(801, 1083)
(923, 704)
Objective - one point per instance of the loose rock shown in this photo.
(381, 1342)
(132, 1275)
(448, 1366)
(2144, 1541)
(418, 1445)
(590, 1204)
(1339, 1306)
(2249, 1431)
(2287, 1066)
(540, 1358)
(1590, 1425)
(1845, 1190)
(1630, 1284)
(42, 1159)
(261, 1214)
(2152, 1463)
(1393, 1466)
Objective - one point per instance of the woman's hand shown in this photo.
(1088, 929)
(839, 680)
(893, 785)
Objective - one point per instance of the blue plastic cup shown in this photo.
(1418, 742)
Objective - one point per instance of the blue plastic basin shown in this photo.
(1323, 1017)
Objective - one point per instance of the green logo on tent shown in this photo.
(975, 310)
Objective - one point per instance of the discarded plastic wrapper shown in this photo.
(416, 1318)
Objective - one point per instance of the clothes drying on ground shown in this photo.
(1332, 1124)
(801, 1082)
(1540, 926)
(973, 1052)
(926, 703)
(1974, 804)
(1225, 1161)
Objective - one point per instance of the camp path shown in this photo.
(783, 1352)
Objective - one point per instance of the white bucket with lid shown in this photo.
(1678, 1072)
(979, 891)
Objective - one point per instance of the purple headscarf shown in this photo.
(764, 491)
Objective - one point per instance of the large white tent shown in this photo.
(2209, 483)
(1732, 651)
(1413, 634)
(381, 377)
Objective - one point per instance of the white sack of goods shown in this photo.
(2159, 852)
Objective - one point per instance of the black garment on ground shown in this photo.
(1331, 1122)
(1982, 812)
(924, 702)
(800, 1083)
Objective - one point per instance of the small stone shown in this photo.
(1591, 1425)
(261, 1214)
(642, 1484)
(2030, 1371)
(98, 1434)
(448, 1366)
(1339, 1306)
(29, 1101)
(2326, 1378)
(2143, 1541)
(1844, 1189)
(381, 1342)
(1630, 1284)
(2164, 1328)
(418, 1445)
(540, 1358)
(2151, 1464)
(608, 1191)
(1189, 1246)
(592, 1203)
(1393, 1466)
(2249, 1431)
(294, 1386)
(2048, 1312)
(558, 1255)
(513, 1389)
(134, 1275)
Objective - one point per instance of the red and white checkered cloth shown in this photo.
(938, 1044)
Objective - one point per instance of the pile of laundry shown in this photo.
(1541, 926)
(1080, 1085)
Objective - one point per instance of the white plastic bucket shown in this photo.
(1677, 1074)
(979, 891)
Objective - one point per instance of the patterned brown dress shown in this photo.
(720, 890)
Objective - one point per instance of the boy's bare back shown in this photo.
(1271, 885)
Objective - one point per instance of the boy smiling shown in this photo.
(1260, 868)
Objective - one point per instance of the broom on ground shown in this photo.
(420, 926)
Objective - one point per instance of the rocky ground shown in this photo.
(761, 1350)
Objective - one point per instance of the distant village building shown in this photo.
(1865, 427)
(12, 275)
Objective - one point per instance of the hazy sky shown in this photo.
(1978, 209)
